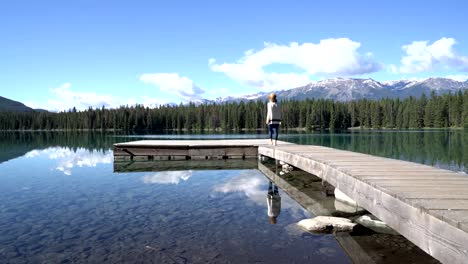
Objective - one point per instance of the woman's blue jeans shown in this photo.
(273, 131)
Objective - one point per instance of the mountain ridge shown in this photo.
(347, 89)
(8, 105)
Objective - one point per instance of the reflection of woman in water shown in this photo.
(273, 202)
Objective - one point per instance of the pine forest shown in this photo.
(433, 111)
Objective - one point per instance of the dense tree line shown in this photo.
(435, 111)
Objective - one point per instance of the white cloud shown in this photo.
(393, 69)
(458, 77)
(175, 84)
(64, 98)
(167, 177)
(328, 57)
(422, 56)
(218, 92)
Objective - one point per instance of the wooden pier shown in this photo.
(427, 205)
(188, 149)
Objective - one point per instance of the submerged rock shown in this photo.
(287, 168)
(326, 224)
(375, 224)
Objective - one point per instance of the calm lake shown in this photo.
(62, 202)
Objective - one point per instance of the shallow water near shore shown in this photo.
(60, 205)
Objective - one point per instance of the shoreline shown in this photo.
(302, 129)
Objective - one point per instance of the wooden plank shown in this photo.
(407, 173)
(378, 165)
(354, 161)
(138, 151)
(387, 166)
(463, 226)
(425, 189)
(439, 183)
(395, 169)
(413, 195)
(406, 176)
(206, 152)
(199, 143)
(408, 181)
(241, 151)
(335, 156)
(455, 217)
(444, 204)
(375, 179)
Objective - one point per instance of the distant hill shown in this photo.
(347, 89)
(8, 105)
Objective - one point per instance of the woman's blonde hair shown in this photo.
(272, 97)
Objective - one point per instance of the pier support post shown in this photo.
(328, 189)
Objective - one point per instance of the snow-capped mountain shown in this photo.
(338, 89)
(257, 96)
(346, 89)
(438, 85)
(396, 85)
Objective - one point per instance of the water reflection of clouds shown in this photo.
(33, 154)
(254, 185)
(67, 159)
(167, 177)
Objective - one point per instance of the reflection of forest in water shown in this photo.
(444, 148)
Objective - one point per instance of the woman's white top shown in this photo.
(273, 113)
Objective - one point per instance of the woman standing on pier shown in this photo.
(273, 119)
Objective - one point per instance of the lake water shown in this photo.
(61, 202)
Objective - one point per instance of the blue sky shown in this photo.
(60, 54)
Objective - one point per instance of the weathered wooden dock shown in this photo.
(427, 205)
(188, 149)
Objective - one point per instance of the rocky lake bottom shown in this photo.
(68, 206)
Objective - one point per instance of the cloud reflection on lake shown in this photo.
(167, 177)
(67, 159)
